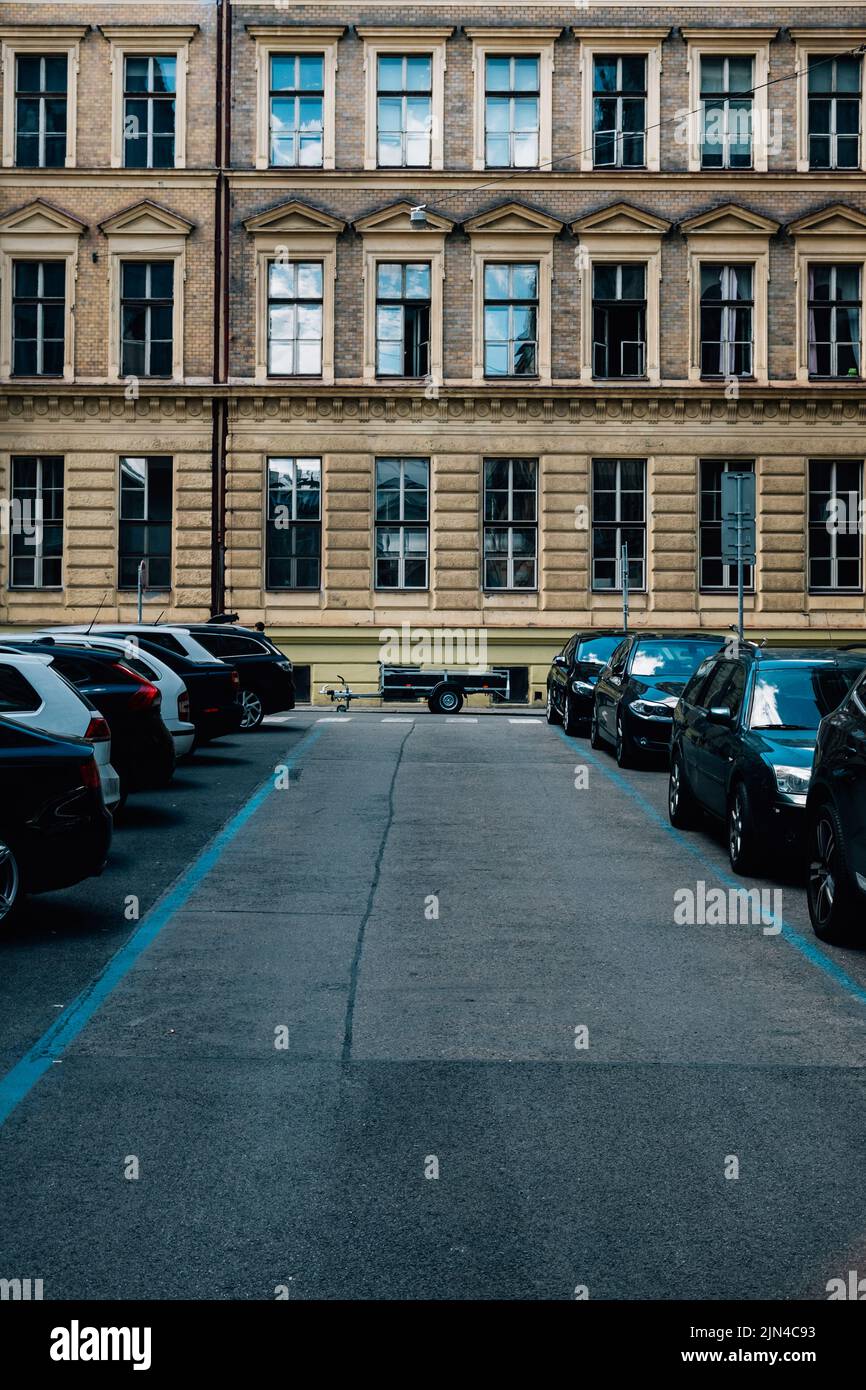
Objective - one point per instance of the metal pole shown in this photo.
(623, 561)
(141, 565)
(740, 556)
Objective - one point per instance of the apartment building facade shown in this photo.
(365, 319)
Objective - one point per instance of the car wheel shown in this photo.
(551, 712)
(253, 711)
(448, 700)
(570, 722)
(595, 739)
(10, 884)
(742, 835)
(682, 806)
(625, 751)
(832, 903)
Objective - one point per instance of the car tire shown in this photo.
(446, 700)
(570, 722)
(683, 807)
(625, 752)
(595, 738)
(743, 838)
(551, 713)
(11, 890)
(832, 898)
(253, 710)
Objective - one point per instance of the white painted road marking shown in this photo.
(335, 719)
(397, 719)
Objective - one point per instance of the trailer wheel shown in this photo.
(446, 699)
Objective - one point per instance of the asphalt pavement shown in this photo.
(408, 1013)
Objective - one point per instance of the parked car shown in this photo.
(573, 674)
(637, 690)
(55, 829)
(213, 685)
(744, 739)
(32, 693)
(142, 749)
(175, 696)
(267, 683)
(836, 823)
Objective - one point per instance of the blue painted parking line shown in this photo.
(20, 1080)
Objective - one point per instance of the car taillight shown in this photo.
(90, 775)
(146, 696)
(236, 680)
(183, 707)
(97, 730)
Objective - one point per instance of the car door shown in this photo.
(720, 742)
(610, 686)
(691, 720)
(560, 671)
(851, 786)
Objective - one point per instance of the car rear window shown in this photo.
(17, 695)
(598, 649)
(798, 696)
(671, 659)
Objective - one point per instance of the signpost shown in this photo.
(623, 562)
(738, 529)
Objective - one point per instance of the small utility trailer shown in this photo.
(443, 690)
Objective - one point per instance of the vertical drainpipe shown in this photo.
(219, 442)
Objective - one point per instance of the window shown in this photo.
(38, 318)
(145, 521)
(36, 530)
(146, 313)
(726, 111)
(510, 319)
(834, 320)
(402, 532)
(402, 318)
(727, 306)
(619, 320)
(835, 520)
(834, 111)
(715, 573)
(295, 299)
(149, 87)
(404, 110)
(512, 110)
(40, 110)
(17, 695)
(618, 519)
(297, 109)
(293, 548)
(619, 101)
(510, 523)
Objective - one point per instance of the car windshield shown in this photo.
(798, 697)
(671, 660)
(597, 649)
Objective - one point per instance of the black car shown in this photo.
(636, 692)
(212, 686)
(267, 682)
(142, 749)
(744, 740)
(54, 828)
(573, 674)
(836, 823)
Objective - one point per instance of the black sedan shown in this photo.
(637, 691)
(573, 674)
(142, 749)
(836, 823)
(744, 741)
(267, 682)
(54, 828)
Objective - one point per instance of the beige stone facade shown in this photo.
(779, 217)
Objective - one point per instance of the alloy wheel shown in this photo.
(822, 880)
(252, 710)
(9, 880)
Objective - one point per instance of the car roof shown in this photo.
(680, 636)
(48, 649)
(792, 655)
(39, 657)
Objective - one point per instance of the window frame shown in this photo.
(730, 465)
(394, 41)
(37, 550)
(39, 40)
(296, 300)
(618, 265)
(510, 303)
(38, 232)
(401, 525)
(146, 233)
(730, 43)
(272, 40)
(388, 236)
(40, 299)
(512, 234)
(318, 522)
(402, 302)
(298, 94)
(823, 590)
(172, 522)
(733, 236)
(821, 43)
(728, 308)
(835, 235)
(631, 41)
(620, 234)
(164, 40)
(153, 100)
(510, 524)
(148, 303)
(513, 43)
(833, 304)
(617, 525)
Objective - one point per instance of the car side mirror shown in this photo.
(720, 714)
(560, 662)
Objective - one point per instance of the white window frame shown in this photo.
(593, 43)
(731, 236)
(510, 524)
(730, 43)
(822, 43)
(54, 38)
(37, 549)
(402, 526)
(729, 568)
(619, 235)
(294, 520)
(146, 233)
(271, 40)
(835, 235)
(403, 42)
(618, 524)
(158, 40)
(38, 232)
(295, 261)
(513, 43)
(833, 588)
(388, 236)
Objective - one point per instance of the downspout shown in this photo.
(219, 440)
